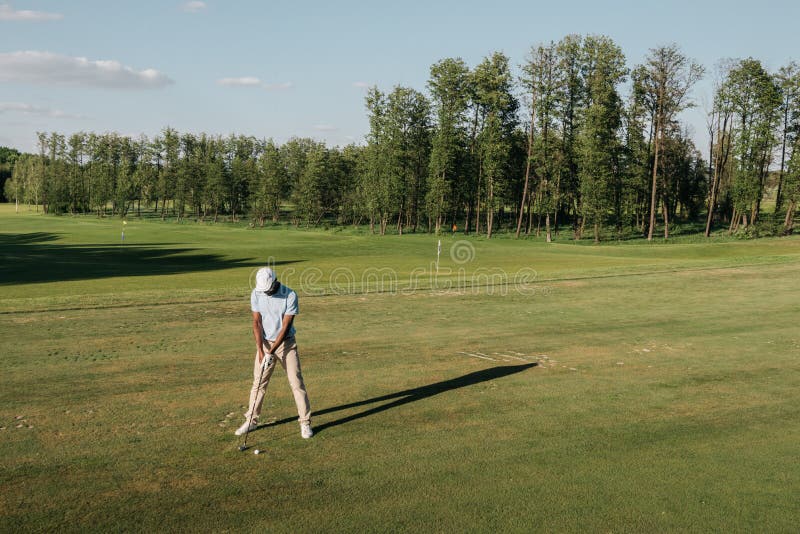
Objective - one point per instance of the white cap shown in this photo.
(265, 277)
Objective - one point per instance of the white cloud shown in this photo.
(252, 81)
(277, 86)
(55, 69)
(325, 128)
(30, 109)
(361, 85)
(193, 7)
(244, 81)
(7, 12)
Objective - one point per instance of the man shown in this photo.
(274, 307)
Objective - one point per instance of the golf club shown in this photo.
(266, 363)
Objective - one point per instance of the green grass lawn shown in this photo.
(625, 387)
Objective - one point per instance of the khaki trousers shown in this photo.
(286, 354)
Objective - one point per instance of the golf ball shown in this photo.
(256, 451)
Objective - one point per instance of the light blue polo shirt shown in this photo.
(273, 308)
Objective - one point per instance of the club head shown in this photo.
(243, 448)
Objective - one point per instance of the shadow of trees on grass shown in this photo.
(38, 257)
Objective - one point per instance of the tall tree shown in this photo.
(375, 174)
(788, 78)
(448, 84)
(407, 137)
(755, 98)
(670, 77)
(637, 118)
(792, 186)
(493, 94)
(8, 156)
(169, 170)
(542, 83)
(721, 130)
(599, 142)
(570, 105)
(308, 194)
(397, 156)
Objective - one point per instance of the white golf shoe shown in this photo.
(305, 430)
(245, 428)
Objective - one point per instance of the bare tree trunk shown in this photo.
(547, 228)
(478, 201)
(788, 221)
(712, 194)
(756, 211)
(489, 208)
(665, 210)
(557, 203)
(524, 193)
(656, 146)
(778, 200)
(530, 216)
(722, 162)
(712, 201)
(527, 163)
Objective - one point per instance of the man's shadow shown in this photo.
(409, 395)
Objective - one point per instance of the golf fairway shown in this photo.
(622, 387)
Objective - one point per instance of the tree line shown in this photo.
(576, 140)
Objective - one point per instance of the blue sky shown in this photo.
(291, 68)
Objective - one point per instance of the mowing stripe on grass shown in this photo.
(478, 356)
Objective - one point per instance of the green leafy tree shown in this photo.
(788, 79)
(599, 142)
(570, 107)
(755, 99)
(271, 184)
(168, 173)
(542, 83)
(8, 157)
(792, 186)
(668, 77)
(125, 190)
(449, 88)
(214, 192)
(15, 186)
(375, 177)
(407, 146)
(636, 165)
(498, 107)
(308, 193)
(721, 133)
